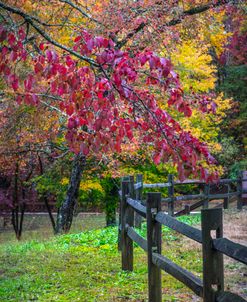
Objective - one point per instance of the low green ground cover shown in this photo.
(87, 267)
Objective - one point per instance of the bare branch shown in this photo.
(53, 108)
(61, 155)
(31, 20)
(78, 8)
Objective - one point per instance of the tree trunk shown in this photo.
(66, 211)
(15, 210)
(22, 210)
(47, 205)
(45, 199)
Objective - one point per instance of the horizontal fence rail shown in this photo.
(179, 226)
(190, 182)
(181, 274)
(137, 206)
(228, 297)
(138, 185)
(157, 185)
(231, 249)
(138, 239)
(211, 287)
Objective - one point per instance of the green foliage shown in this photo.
(50, 183)
(229, 152)
(91, 194)
(191, 219)
(56, 179)
(237, 167)
(151, 173)
(110, 187)
(234, 83)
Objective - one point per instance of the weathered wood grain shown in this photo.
(138, 185)
(231, 249)
(137, 206)
(179, 226)
(171, 195)
(127, 218)
(229, 297)
(184, 276)
(137, 238)
(157, 185)
(213, 268)
(138, 196)
(154, 245)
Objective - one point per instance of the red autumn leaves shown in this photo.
(110, 102)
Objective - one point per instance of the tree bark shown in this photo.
(45, 199)
(66, 211)
(15, 210)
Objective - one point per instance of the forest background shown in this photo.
(44, 46)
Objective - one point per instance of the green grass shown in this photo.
(87, 267)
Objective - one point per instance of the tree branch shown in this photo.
(196, 10)
(70, 3)
(31, 20)
(193, 11)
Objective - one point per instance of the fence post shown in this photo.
(171, 195)
(127, 219)
(138, 196)
(239, 190)
(226, 199)
(206, 193)
(125, 178)
(131, 187)
(187, 209)
(244, 187)
(154, 245)
(213, 269)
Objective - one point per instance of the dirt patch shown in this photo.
(235, 229)
(235, 225)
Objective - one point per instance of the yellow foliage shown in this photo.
(215, 33)
(194, 66)
(206, 126)
(64, 181)
(85, 185)
(27, 5)
(89, 185)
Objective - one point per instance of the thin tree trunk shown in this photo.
(15, 210)
(23, 207)
(66, 211)
(13, 220)
(45, 199)
(50, 213)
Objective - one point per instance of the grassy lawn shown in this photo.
(87, 267)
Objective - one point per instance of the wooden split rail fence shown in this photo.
(203, 198)
(211, 287)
